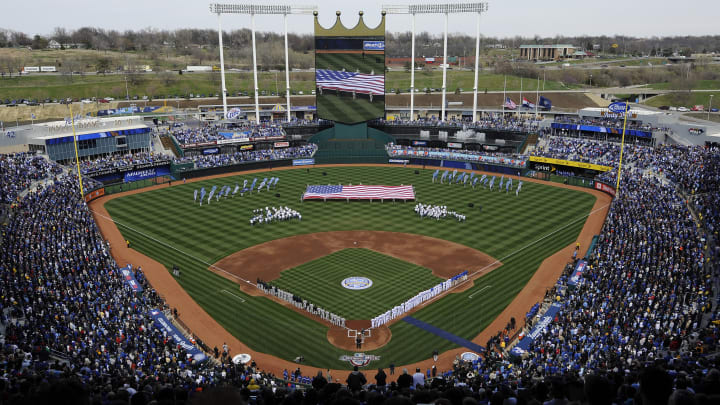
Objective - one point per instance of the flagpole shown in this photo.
(622, 148)
(537, 97)
(77, 158)
(521, 99)
(504, 98)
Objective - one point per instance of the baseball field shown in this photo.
(204, 241)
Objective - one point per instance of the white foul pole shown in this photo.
(445, 64)
(287, 69)
(257, 105)
(412, 68)
(477, 64)
(222, 68)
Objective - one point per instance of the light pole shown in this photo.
(446, 9)
(710, 107)
(252, 10)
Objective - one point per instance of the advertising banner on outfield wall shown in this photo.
(303, 162)
(143, 174)
(545, 320)
(164, 324)
(605, 188)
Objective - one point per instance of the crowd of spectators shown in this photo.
(605, 122)
(588, 150)
(224, 159)
(121, 161)
(71, 325)
(490, 122)
(19, 170)
(508, 159)
(212, 132)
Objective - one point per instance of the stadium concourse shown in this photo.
(640, 325)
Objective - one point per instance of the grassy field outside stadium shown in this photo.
(394, 282)
(519, 231)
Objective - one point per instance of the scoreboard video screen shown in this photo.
(350, 74)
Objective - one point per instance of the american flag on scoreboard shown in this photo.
(359, 192)
(349, 81)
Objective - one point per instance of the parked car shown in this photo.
(664, 107)
(698, 108)
(683, 109)
(102, 100)
(714, 109)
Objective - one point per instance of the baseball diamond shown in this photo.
(165, 225)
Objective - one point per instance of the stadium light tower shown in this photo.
(446, 9)
(253, 9)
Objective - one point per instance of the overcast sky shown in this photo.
(505, 18)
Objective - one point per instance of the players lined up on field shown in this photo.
(199, 195)
(483, 180)
(301, 303)
(418, 299)
(437, 212)
(272, 214)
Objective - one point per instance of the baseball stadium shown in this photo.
(514, 256)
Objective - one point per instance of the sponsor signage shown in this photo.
(106, 172)
(143, 174)
(303, 162)
(211, 151)
(48, 69)
(247, 147)
(129, 278)
(419, 143)
(618, 108)
(94, 194)
(373, 45)
(233, 140)
(454, 145)
(28, 69)
(605, 188)
(356, 283)
(282, 144)
(571, 163)
(164, 324)
(400, 161)
(359, 359)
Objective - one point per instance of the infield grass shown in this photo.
(394, 282)
(519, 231)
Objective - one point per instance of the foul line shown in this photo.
(228, 292)
(481, 290)
(171, 247)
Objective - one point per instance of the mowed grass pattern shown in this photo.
(394, 282)
(520, 231)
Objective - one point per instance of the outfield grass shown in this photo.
(521, 232)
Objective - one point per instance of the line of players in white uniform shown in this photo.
(272, 214)
(437, 212)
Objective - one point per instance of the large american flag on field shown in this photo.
(349, 81)
(337, 192)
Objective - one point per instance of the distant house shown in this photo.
(53, 44)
